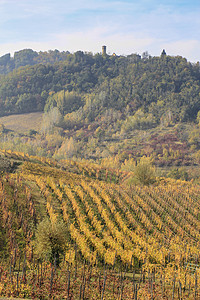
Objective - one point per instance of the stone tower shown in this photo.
(103, 50)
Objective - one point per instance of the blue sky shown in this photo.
(126, 27)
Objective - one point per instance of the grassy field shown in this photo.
(22, 123)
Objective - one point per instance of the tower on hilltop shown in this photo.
(103, 50)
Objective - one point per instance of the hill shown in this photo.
(154, 84)
(113, 231)
(103, 108)
(79, 219)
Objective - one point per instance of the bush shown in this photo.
(140, 121)
(2, 128)
(144, 172)
(32, 132)
(176, 173)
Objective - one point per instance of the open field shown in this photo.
(23, 122)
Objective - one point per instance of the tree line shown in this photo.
(162, 88)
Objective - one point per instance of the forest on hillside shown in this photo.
(91, 84)
(105, 108)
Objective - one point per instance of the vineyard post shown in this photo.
(90, 274)
(185, 282)
(161, 282)
(44, 269)
(141, 275)
(174, 284)
(196, 295)
(189, 288)
(143, 278)
(122, 281)
(19, 263)
(114, 261)
(180, 290)
(11, 279)
(41, 272)
(148, 281)
(112, 272)
(151, 286)
(154, 275)
(113, 285)
(38, 273)
(136, 291)
(104, 281)
(133, 288)
(51, 280)
(15, 255)
(119, 279)
(164, 281)
(80, 292)
(100, 282)
(68, 283)
(34, 276)
(32, 253)
(17, 283)
(121, 275)
(76, 264)
(84, 286)
(24, 269)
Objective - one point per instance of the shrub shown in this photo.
(178, 174)
(144, 172)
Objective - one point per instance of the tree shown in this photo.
(51, 119)
(67, 150)
(51, 239)
(139, 120)
(65, 101)
(24, 57)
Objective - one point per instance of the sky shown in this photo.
(124, 26)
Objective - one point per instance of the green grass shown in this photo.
(22, 123)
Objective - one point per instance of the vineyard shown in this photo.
(121, 242)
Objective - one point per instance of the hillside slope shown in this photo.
(108, 109)
(149, 229)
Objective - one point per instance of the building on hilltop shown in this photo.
(103, 50)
